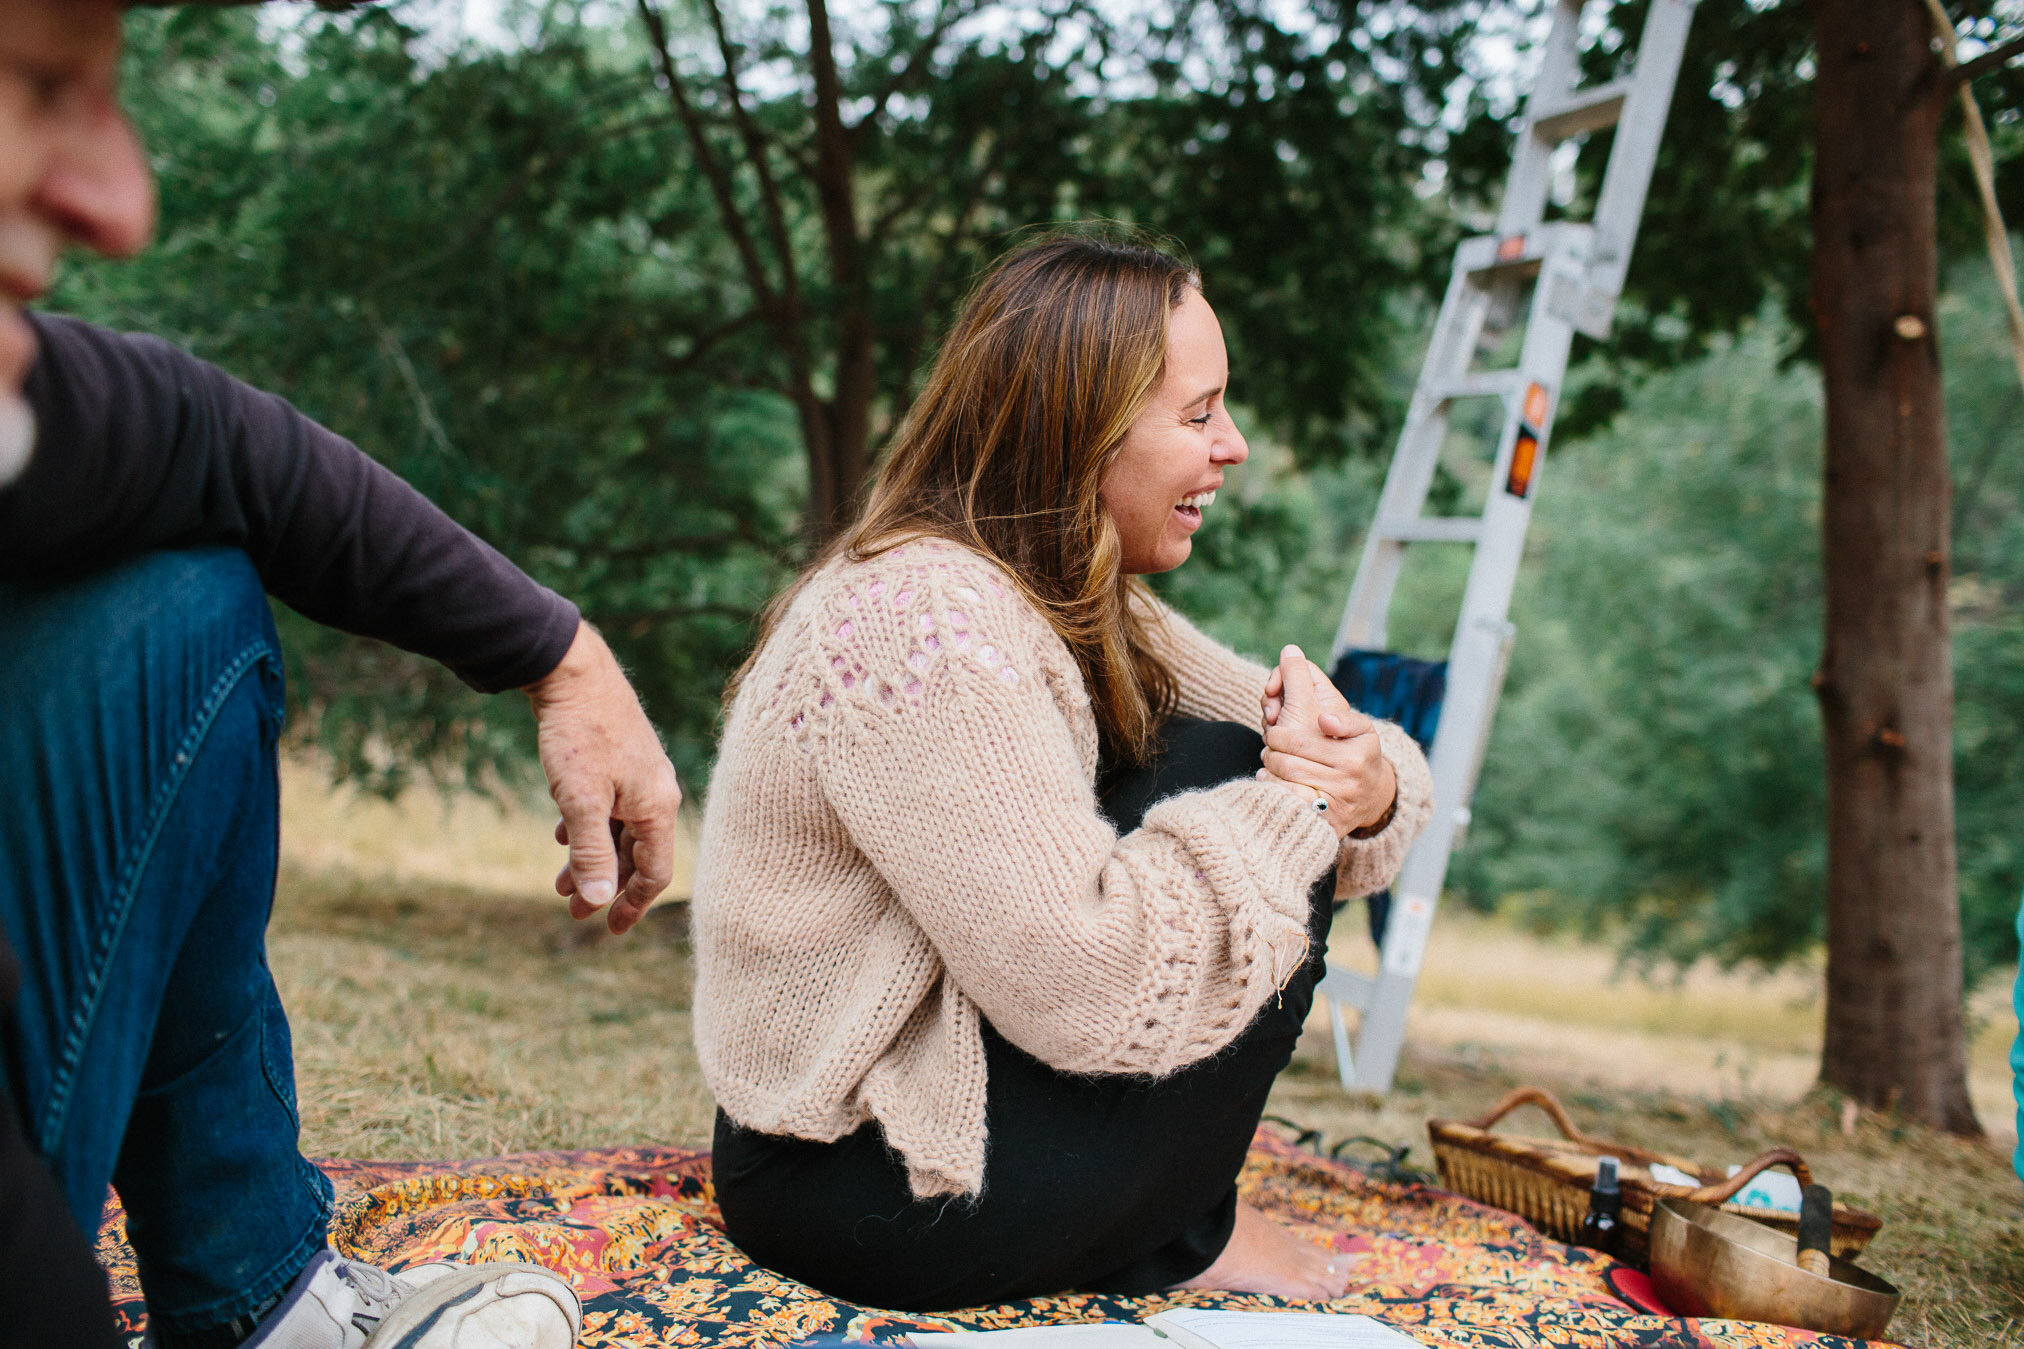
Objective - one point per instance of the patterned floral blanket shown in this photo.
(636, 1230)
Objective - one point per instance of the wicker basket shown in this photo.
(1546, 1180)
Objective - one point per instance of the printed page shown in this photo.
(1279, 1330)
(1114, 1335)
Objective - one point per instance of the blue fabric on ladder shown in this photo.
(1401, 689)
(1397, 688)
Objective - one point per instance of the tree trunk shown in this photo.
(846, 450)
(1894, 1024)
(812, 416)
(850, 419)
(836, 434)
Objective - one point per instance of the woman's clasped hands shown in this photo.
(1316, 743)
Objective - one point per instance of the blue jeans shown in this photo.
(141, 710)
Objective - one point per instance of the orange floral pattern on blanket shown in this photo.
(636, 1231)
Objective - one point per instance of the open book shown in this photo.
(1189, 1328)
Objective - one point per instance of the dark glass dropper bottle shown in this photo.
(1600, 1228)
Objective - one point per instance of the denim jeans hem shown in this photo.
(268, 1285)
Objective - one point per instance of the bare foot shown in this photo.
(1263, 1257)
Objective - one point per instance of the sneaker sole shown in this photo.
(480, 1308)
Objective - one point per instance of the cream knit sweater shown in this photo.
(902, 836)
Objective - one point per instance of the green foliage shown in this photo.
(1656, 767)
(507, 274)
(481, 271)
(1180, 118)
(1657, 761)
(1289, 169)
(1655, 774)
(1985, 406)
(1727, 225)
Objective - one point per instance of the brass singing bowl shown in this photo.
(1706, 1262)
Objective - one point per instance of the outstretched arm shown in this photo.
(144, 446)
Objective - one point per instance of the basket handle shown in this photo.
(1786, 1157)
(1545, 1100)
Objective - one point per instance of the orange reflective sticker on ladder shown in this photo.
(1524, 459)
(1536, 400)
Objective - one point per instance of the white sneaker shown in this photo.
(337, 1303)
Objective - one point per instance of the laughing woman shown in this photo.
(1002, 932)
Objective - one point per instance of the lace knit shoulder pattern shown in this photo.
(929, 612)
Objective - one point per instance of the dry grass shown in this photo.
(1953, 1211)
(443, 1006)
(447, 1023)
(1736, 1033)
(468, 841)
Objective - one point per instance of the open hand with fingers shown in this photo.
(1318, 744)
(612, 782)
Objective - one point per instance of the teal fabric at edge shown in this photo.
(2017, 1053)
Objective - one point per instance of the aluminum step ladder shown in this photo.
(1577, 271)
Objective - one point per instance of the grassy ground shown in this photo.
(443, 1005)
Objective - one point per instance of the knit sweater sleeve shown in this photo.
(945, 745)
(1217, 683)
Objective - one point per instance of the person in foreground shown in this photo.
(1005, 916)
(148, 505)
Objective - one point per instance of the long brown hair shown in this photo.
(1054, 354)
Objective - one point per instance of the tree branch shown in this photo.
(832, 428)
(931, 292)
(701, 344)
(946, 17)
(706, 159)
(832, 149)
(901, 206)
(1986, 62)
(539, 163)
(425, 411)
(755, 152)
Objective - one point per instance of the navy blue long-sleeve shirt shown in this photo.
(142, 446)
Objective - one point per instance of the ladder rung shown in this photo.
(1488, 255)
(1346, 986)
(1482, 384)
(1581, 111)
(1432, 529)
